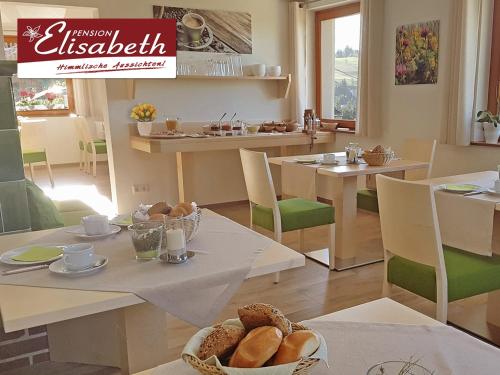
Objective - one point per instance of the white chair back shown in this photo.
(419, 150)
(83, 130)
(409, 221)
(258, 179)
(298, 181)
(33, 136)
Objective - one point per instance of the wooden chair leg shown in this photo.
(276, 277)
(331, 246)
(81, 159)
(32, 172)
(94, 158)
(301, 240)
(386, 285)
(277, 238)
(51, 176)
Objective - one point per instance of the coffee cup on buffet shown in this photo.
(259, 70)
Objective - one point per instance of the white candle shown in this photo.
(176, 239)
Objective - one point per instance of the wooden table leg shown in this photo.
(133, 338)
(493, 309)
(180, 176)
(344, 200)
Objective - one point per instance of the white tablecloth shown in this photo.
(354, 347)
(195, 291)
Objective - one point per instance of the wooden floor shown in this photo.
(303, 293)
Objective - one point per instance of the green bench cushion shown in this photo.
(34, 156)
(296, 213)
(43, 212)
(468, 274)
(368, 200)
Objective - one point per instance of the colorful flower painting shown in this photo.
(417, 53)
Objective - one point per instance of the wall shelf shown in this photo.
(283, 83)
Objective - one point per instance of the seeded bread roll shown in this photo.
(296, 345)
(256, 348)
(262, 314)
(158, 208)
(221, 341)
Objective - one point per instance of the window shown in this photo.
(494, 90)
(39, 97)
(337, 54)
(43, 97)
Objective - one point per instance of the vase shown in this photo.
(145, 128)
(477, 132)
(491, 133)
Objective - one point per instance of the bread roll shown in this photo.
(261, 314)
(188, 207)
(157, 217)
(221, 341)
(177, 212)
(297, 345)
(157, 208)
(256, 348)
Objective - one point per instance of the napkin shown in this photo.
(38, 254)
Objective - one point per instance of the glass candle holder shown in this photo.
(175, 251)
(147, 238)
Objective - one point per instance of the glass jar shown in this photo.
(175, 249)
(147, 239)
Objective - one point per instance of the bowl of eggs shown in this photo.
(190, 213)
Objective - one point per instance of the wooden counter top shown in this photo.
(152, 145)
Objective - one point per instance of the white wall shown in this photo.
(419, 111)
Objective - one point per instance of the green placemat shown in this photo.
(38, 254)
(461, 187)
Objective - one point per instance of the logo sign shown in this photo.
(96, 48)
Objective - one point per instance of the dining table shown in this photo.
(385, 330)
(86, 324)
(350, 249)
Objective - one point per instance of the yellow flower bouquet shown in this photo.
(143, 112)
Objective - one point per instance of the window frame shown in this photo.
(324, 15)
(494, 85)
(48, 112)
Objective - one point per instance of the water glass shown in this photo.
(147, 239)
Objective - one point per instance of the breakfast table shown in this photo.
(344, 189)
(385, 331)
(117, 317)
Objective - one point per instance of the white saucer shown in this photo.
(6, 257)
(58, 267)
(493, 192)
(335, 162)
(123, 220)
(79, 231)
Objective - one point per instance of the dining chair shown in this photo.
(415, 258)
(33, 145)
(285, 215)
(413, 149)
(91, 146)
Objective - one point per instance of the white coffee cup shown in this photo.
(274, 70)
(329, 158)
(95, 224)
(497, 186)
(78, 256)
(259, 70)
(193, 25)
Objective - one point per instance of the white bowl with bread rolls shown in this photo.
(162, 211)
(262, 341)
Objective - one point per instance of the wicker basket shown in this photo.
(377, 158)
(205, 369)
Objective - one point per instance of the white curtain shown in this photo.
(470, 30)
(81, 94)
(369, 122)
(297, 17)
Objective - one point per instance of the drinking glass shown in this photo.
(175, 251)
(147, 239)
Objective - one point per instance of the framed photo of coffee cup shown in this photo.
(208, 30)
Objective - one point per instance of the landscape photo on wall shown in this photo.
(417, 53)
(202, 30)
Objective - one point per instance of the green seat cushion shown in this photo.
(100, 148)
(468, 274)
(296, 213)
(34, 156)
(43, 212)
(368, 200)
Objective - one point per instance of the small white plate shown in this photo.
(307, 161)
(493, 192)
(123, 220)
(58, 267)
(79, 231)
(6, 257)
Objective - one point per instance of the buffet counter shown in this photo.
(212, 143)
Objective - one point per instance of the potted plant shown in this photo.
(491, 126)
(144, 114)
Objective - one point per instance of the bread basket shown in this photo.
(377, 158)
(302, 368)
